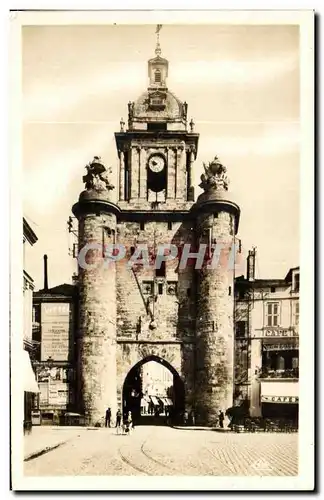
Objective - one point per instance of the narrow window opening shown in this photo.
(273, 289)
(132, 250)
(157, 76)
(296, 318)
(296, 284)
(161, 272)
(126, 191)
(169, 226)
(142, 226)
(126, 178)
(241, 328)
(229, 290)
(160, 288)
(272, 314)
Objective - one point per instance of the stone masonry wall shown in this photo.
(173, 311)
(215, 343)
(97, 323)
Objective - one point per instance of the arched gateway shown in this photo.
(133, 393)
(166, 310)
(132, 356)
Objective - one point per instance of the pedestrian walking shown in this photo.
(193, 418)
(108, 417)
(221, 418)
(118, 420)
(130, 420)
(185, 417)
(127, 423)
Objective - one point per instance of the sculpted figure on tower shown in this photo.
(97, 176)
(214, 177)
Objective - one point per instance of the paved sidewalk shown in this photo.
(46, 438)
(201, 428)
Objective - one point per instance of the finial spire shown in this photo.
(158, 46)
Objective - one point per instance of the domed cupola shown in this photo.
(156, 150)
(157, 106)
(157, 73)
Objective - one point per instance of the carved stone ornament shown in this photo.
(215, 177)
(131, 106)
(96, 177)
(185, 110)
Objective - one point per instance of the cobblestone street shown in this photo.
(164, 451)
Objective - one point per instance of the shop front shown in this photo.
(56, 393)
(30, 389)
(280, 399)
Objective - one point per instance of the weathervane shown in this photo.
(158, 47)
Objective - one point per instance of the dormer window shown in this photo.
(157, 100)
(157, 76)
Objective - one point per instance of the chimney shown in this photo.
(251, 265)
(45, 273)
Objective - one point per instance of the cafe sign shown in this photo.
(277, 332)
(279, 399)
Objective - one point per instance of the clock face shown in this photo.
(156, 163)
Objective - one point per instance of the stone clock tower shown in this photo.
(156, 151)
(178, 316)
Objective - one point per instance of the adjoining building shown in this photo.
(54, 330)
(30, 385)
(267, 343)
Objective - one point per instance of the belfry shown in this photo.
(179, 316)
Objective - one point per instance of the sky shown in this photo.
(241, 84)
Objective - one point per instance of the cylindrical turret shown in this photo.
(97, 296)
(216, 225)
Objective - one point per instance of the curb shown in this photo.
(37, 454)
(196, 428)
(47, 449)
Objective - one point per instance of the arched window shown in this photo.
(157, 76)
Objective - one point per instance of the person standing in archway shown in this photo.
(108, 417)
(118, 420)
(132, 420)
(221, 419)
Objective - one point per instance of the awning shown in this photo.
(166, 401)
(275, 387)
(30, 384)
(279, 391)
(155, 401)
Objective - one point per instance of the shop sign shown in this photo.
(279, 332)
(280, 347)
(57, 331)
(279, 399)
